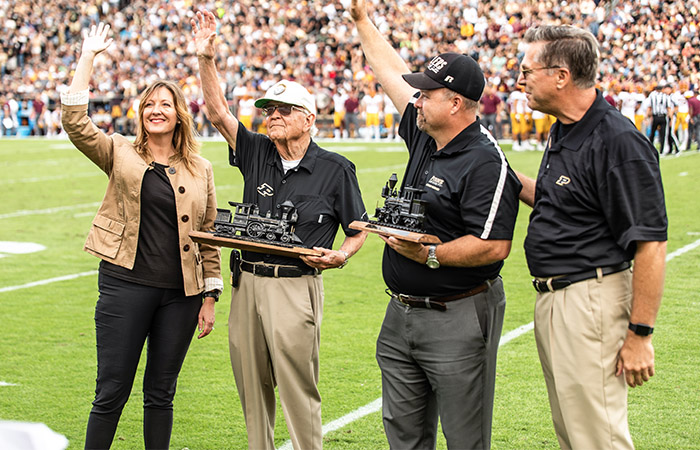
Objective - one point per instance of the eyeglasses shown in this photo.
(284, 110)
(527, 72)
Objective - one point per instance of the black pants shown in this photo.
(126, 314)
(659, 122)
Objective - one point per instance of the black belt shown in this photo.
(437, 302)
(276, 271)
(552, 284)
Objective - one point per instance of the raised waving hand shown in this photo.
(96, 40)
(204, 30)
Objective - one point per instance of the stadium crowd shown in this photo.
(643, 43)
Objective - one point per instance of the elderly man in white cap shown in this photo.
(276, 309)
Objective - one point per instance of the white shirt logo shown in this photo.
(435, 183)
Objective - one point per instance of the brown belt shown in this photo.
(437, 302)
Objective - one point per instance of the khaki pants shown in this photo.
(274, 336)
(579, 331)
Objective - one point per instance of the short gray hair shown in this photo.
(570, 47)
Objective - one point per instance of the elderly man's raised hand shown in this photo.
(358, 10)
(96, 40)
(204, 30)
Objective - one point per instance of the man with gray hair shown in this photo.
(598, 204)
(276, 310)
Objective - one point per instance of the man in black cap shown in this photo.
(438, 343)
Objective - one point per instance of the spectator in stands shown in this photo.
(308, 41)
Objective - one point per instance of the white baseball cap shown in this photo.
(289, 92)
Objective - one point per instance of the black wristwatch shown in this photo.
(640, 329)
(214, 294)
(432, 260)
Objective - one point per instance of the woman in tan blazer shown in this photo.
(154, 281)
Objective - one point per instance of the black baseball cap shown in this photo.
(455, 71)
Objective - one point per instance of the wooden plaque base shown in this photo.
(398, 234)
(252, 246)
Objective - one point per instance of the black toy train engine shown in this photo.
(402, 208)
(248, 223)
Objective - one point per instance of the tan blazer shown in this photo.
(115, 229)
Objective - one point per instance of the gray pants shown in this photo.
(440, 364)
(694, 132)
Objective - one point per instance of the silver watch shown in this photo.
(347, 258)
(432, 260)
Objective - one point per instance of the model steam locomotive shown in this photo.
(247, 223)
(403, 209)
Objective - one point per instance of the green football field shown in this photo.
(50, 193)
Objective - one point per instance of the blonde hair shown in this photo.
(184, 138)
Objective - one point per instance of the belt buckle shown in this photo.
(543, 286)
(536, 285)
(400, 297)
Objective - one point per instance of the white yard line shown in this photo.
(48, 281)
(682, 250)
(376, 405)
(31, 212)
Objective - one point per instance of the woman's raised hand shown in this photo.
(96, 40)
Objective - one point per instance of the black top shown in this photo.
(598, 191)
(157, 261)
(323, 188)
(470, 190)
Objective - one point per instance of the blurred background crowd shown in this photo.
(644, 43)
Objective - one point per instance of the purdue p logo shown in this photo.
(563, 180)
(265, 190)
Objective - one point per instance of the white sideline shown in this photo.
(682, 250)
(48, 280)
(376, 405)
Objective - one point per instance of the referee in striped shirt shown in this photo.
(660, 109)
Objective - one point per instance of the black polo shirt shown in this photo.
(598, 192)
(323, 188)
(470, 190)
